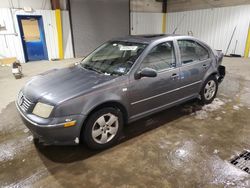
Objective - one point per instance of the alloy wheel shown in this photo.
(105, 128)
(210, 89)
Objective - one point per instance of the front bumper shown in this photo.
(54, 133)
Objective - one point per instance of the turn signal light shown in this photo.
(70, 124)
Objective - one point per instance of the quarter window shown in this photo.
(192, 51)
(160, 57)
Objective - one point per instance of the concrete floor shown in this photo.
(185, 146)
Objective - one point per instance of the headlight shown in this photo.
(42, 110)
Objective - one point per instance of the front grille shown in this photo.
(24, 103)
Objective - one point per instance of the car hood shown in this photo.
(58, 85)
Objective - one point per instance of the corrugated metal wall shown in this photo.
(214, 26)
(146, 23)
(10, 44)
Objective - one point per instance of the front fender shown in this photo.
(85, 103)
(104, 99)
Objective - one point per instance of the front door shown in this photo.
(150, 94)
(33, 38)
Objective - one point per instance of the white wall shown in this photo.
(10, 40)
(35, 4)
(67, 37)
(214, 26)
(145, 23)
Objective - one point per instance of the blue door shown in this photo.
(33, 38)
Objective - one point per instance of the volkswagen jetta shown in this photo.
(121, 81)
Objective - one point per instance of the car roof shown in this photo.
(146, 38)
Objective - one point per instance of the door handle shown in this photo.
(204, 66)
(174, 75)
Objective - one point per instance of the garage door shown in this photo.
(96, 21)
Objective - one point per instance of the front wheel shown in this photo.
(209, 90)
(103, 128)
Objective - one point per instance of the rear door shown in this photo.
(149, 94)
(195, 61)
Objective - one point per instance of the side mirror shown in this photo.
(146, 72)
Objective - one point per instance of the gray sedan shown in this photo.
(121, 81)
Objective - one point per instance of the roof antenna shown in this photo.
(179, 23)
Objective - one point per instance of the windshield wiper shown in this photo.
(91, 68)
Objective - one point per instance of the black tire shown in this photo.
(91, 125)
(204, 98)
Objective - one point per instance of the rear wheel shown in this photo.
(209, 90)
(103, 128)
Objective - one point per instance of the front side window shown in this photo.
(113, 58)
(160, 57)
(191, 51)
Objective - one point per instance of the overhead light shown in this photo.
(27, 9)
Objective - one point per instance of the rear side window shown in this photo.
(161, 57)
(191, 51)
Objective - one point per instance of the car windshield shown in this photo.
(113, 58)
